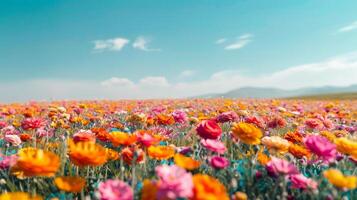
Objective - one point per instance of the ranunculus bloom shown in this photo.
(32, 123)
(7, 161)
(146, 139)
(84, 136)
(276, 143)
(180, 116)
(174, 182)
(277, 122)
(229, 116)
(247, 133)
(313, 123)
(336, 178)
(278, 166)
(299, 181)
(207, 187)
(161, 152)
(214, 145)
(130, 153)
(209, 129)
(115, 190)
(41, 132)
(9, 130)
(321, 146)
(218, 162)
(187, 163)
(14, 140)
(70, 183)
(87, 154)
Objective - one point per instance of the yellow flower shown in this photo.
(263, 158)
(35, 162)
(240, 196)
(18, 196)
(346, 146)
(161, 152)
(187, 163)
(336, 178)
(87, 154)
(276, 143)
(207, 187)
(247, 133)
(120, 138)
(70, 183)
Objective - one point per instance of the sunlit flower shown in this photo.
(276, 143)
(115, 190)
(87, 154)
(32, 123)
(120, 138)
(209, 129)
(130, 153)
(336, 178)
(36, 162)
(14, 140)
(346, 146)
(240, 196)
(146, 138)
(165, 119)
(84, 136)
(180, 116)
(321, 146)
(207, 187)
(263, 158)
(278, 166)
(19, 196)
(299, 181)
(247, 133)
(299, 151)
(294, 137)
(70, 183)
(174, 182)
(185, 162)
(112, 154)
(161, 152)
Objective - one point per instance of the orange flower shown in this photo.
(149, 191)
(294, 137)
(263, 158)
(336, 178)
(299, 151)
(247, 133)
(240, 196)
(25, 137)
(87, 154)
(276, 143)
(101, 134)
(120, 138)
(186, 162)
(35, 162)
(112, 154)
(161, 152)
(128, 154)
(70, 183)
(19, 196)
(207, 187)
(165, 119)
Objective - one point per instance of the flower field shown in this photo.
(197, 149)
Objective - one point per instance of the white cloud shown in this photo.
(186, 73)
(115, 44)
(336, 71)
(242, 41)
(349, 27)
(221, 41)
(115, 81)
(142, 44)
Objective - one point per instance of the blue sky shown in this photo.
(166, 48)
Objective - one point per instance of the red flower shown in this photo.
(209, 129)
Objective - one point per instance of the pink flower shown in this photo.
(226, 117)
(41, 132)
(146, 139)
(7, 161)
(299, 181)
(313, 123)
(278, 166)
(3, 124)
(115, 190)
(180, 116)
(174, 182)
(32, 123)
(214, 145)
(84, 136)
(10, 130)
(14, 140)
(218, 162)
(322, 147)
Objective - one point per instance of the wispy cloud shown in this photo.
(187, 73)
(221, 41)
(141, 43)
(114, 44)
(336, 71)
(240, 42)
(349, 27)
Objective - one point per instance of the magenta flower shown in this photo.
(146, 139)
(229, 116)
(32, 123)
(299, 181)
(278, 166)
(7, 161)
(214, 145)
(174, 182)
(180, 116)
(322, 147)
(115, 190)
(218, 162)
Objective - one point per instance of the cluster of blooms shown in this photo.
(197, 149)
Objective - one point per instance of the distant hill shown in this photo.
(260, 92)
(334, 96)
